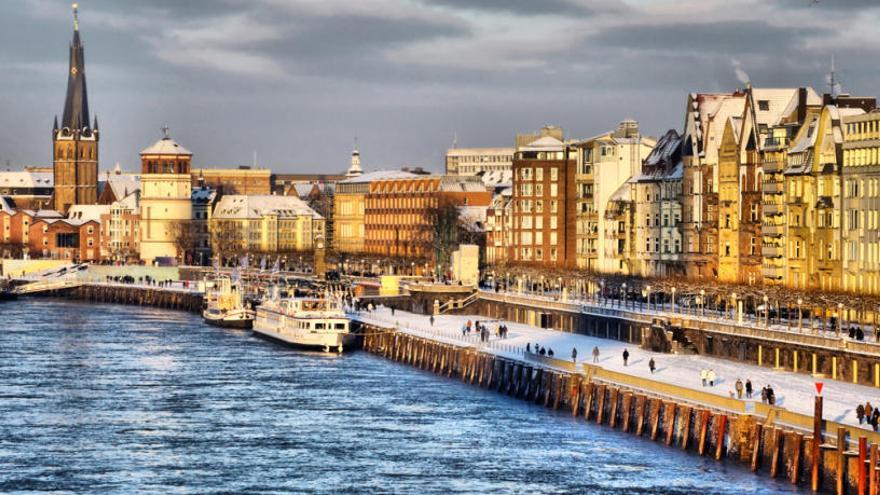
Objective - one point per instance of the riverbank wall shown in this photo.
(843, 461)
(156, 297)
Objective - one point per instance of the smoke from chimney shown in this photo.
(740, 73)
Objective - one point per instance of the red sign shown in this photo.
(819, 388)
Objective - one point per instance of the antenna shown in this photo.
(833, 82)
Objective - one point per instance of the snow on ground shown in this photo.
(794, 391)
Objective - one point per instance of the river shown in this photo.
(120, 399)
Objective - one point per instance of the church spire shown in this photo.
(76, 105)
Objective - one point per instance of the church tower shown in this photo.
(75, 141)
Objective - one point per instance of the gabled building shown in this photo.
(658, 233)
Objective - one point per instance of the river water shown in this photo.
(117, 399)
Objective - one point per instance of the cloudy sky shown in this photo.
(297, 80)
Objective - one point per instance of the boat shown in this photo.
(225, 306)
(307, 322)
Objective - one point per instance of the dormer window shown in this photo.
(764, 105)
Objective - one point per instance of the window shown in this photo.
(539, 189)
(553, 190)
(554, 174)
(553, 238)
(753, 247)
(727, 249)
(539, 174)
(539, 238)
(754, 212)
(552, 222)
(539, 206)
(648, 245)
(553, 254)
(727, 221)
(764, 105)
(553, 206)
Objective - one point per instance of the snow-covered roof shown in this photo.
(88, 212)
(166, 146)
(473, 218)
(378, 175)
(458, 183)
(623, 193)
(7, 205)
(497, 178)
(27, 179)
(546, 143)
(123, 184)
(238, 206)
(203, 194)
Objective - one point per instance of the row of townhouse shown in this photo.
(762, 186)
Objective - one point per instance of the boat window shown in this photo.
(319, 326)
(340, 326)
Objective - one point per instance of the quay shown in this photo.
(776, 441)
(177, 296)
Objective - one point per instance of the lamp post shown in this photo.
(673, 300)
(702, 302)
(648, 293)
(601, 290)
(623, 288)
(766, 311)
(733, 308)
(800, 315)
(839, 319)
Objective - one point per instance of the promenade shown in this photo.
(793, 391)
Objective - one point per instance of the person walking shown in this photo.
(574, 354)
(860, 413)
(625, 356)
(596, 354)
(431, 319)
(704, 376)
(764, 395)
(771, 396)
(874, 419)
(652, 365)
(739, 388)
(869, 410)
(711, 377)
(748, 388)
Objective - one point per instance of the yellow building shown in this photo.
(861, 202)
(263, 224)
(166, 198)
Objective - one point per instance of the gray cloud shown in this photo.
(297, 79)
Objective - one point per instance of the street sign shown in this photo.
(819, 388)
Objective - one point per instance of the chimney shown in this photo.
(802, 105)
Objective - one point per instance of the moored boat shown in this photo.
(225, 306)
(311, 323)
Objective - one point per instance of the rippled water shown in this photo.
(116, 399)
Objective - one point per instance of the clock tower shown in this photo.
(75, 140)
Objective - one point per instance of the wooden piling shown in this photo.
(627, 410)
(655, 418)
(670, 411)
(841, 461)
(777, 448)
(863, 459)
(719, 445)
(873, 479)
(600, 405)
(756, 447)
(794, 472)
(686, 427)
(612, 413)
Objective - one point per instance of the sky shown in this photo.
(297, 81)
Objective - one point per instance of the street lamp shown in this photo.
(648, 291)
(766, 311)
(702, 302)
(733, 309)
(673, 300)
(623, 288)
(839, 319)
(800, 315)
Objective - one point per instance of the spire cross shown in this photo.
(75, 16)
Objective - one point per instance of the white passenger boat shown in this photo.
(225, 306)
(313, 323)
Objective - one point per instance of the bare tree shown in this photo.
(185, 236)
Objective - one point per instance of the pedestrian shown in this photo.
(771, 396)
(550, 352)
(464, 330)
(869, 410)
(874, 419)
(704, 376)
(392, 310)
(652, 365)
(625, 356)
(543, 351)
(739, 388)
(764, 395)
(574, 354)
(431, 319)
(860, 413)
(528, 347)
(748, 388)
(596, 354)
(711, 377)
